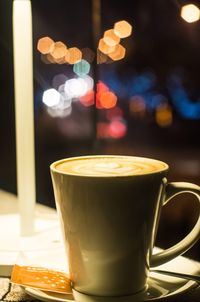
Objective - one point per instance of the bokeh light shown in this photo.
(102, 87)
(50, 58)
(88, 99)
(61, 89)
(73, 55)
(108, 99)
(75, 88)
(45, 45)
(190, 13)
(164, 115)
(137, 106)
(57, 112)
(60, 61)
(58, 80)
(122, 29)
(105, 48)
(118, 53)
(65, 99)
(51, 97)
(97, 102)
(89, 81)
(81, 68)
(110, 38)
(117, 129)
(64, 103)
(180, 97)
(59, 50)
(57, 102)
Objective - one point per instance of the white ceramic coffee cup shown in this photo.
(109, 224)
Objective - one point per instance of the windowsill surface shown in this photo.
(46, 234)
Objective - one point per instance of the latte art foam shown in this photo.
(110, 166)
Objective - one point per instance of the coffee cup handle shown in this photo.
(172, 189)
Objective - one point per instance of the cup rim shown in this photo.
(55, 163)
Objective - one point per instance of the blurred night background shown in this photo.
(153, 92)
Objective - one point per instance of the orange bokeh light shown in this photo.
(122, 29)
(164, 116)
(60, 61)
(137, 106)
(105, 48)
(67, 56)
(50, 58)
(73, 55)
(108, 99)
(110, 38)
(105, 99)
(118, 53)
(59, 50)
(45, 45)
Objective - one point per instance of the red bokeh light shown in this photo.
(88, 99)
(102, 87)
(97, 101)
(117, 129)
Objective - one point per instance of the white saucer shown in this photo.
(157, 290)
(160, 286)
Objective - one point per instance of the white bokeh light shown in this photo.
(190, 13)
(64, 103)
(51, 97)
(63, 93)
(89, 81)
(58, 112)
(63, 108)
(75, 88)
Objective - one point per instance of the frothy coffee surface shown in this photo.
(110, 166)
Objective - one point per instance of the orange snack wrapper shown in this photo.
(41, 278)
